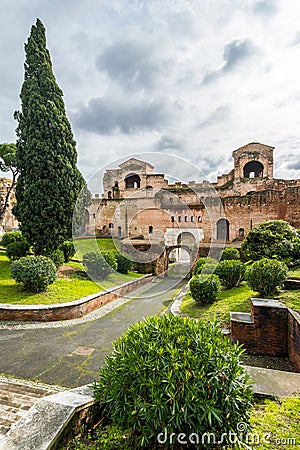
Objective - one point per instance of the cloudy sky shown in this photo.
(193, 78)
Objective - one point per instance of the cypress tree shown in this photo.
(49, 181)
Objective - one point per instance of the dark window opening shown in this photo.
(199, 218)
(150, 229)
(185, 218)
(109, 196)
(192, 218)
(179, 218)
(241, 232)
(222, 230)
(172, 219)
(110, 225)
(132, 181)
(253, 169)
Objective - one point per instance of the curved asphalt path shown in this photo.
(71, 356)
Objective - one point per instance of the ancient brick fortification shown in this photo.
(140, 203)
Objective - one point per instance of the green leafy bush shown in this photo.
(205, 288)
(17, 249)
(266, 275)
(99, 265)
(68, 250)
(11, 236)
(35, 272)
(231, 272)
(58, 257)
(173, 375)
(123, 264)
(230, 253)
(205, 265)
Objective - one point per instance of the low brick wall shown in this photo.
(294, 339)
(271, 329)
(70, 310)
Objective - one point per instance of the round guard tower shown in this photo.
(253, 160)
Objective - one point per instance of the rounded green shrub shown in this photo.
(230, 253)
(205, 288)
(11, 236)
(99, 265)
(68, 250)
(17, 249)
(35, 272)
(173, 375)
(205, 265)
(124, 264)
(58, 257)
(231, 272)
(266, 276)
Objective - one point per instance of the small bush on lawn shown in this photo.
(58, 258)
(99, 265)
(174, 375)
(230, 253)
(35, 272)
(205, 288)
(230, 272)
(16, 250)
(266, 276)
(11, 236)
(68, 250)
(205, 265)
(123, 264)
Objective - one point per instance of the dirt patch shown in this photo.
(66, 271)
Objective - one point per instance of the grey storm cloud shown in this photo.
(167, 143)
(265, 7)
(134, 64)
(234, 53)
(105, 115)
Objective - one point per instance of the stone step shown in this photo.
(16, 398)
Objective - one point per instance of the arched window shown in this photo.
(132, 180)
(223, 230)
(110, 225)
(109, 195)
(185, 218)
(241, 232)
(172, 219)
(199, 219)
(150, 229)
(179, 218)
(192, 218)
(253, 169)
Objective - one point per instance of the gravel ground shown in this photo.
(268, 362)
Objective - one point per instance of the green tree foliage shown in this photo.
(270, 239)
(35, 272)
(205, 288)
(49, 181)
(174, 375)
(123, 264)
(16, 250)
(8, 163)
(68, 250)
(266, 276)
(230, 253)
(11, 236)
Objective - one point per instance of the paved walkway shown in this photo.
(72, 355)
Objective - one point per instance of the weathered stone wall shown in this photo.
(294, 339)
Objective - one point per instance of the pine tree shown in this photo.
(49, 181)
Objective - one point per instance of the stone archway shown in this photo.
(253, 169)
(132, 180)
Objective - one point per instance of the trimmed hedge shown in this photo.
(205, 265)
(99, 265)
(205, 288)
(35, 272)
(231, 272)
(266, 276)
(230, 253)
(173, 375)
(68, 250)
(17, 249)
(11, 236)
(124, 264)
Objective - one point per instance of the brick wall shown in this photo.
(271, 329)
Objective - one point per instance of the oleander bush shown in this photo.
(231, 272)
(266, 275)
(205, 288)
(171, 374)
(35, 272)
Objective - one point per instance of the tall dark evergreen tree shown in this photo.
(49, 181)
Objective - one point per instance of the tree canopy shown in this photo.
(8, 163)
(271, 239)
(49, 180)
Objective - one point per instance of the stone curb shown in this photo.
(43, 424)
(175, 307)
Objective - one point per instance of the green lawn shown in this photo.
(89, 245)
(235, 299)
(275, 425)
(71, 284)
